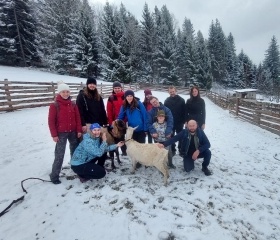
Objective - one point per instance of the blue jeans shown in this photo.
(189, 162)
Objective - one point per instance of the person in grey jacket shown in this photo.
(89, 152)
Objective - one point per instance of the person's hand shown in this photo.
(160, 145)
(168, 136)
(84, 129)
(55, 139)
(155, 135)
(120, 144)
(195, 155)
(203, 126)
(79, 134)
(104, 138)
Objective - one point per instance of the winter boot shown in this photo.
(170, 164)
(206, 171)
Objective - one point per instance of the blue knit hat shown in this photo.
(94, 125)
(128, 92)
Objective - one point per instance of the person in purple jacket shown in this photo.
(195, 144)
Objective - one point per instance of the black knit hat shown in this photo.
(128, 92)
(117, 84)
(91, 80)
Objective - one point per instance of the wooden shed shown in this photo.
(248, 93)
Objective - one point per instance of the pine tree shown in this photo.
(204, 75)
(148, 45)
(272, 67)
(166, 51)
(245, 69)
(217, 51)
(84, 43)
(18, 29)
(231, 62)
(8, 51)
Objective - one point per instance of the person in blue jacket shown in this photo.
(195, 144)
(89, 152)
(152, 117)
(135, 113)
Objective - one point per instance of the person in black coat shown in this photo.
(92, 109)
(91, 105)
(195, 108)
(176, 104)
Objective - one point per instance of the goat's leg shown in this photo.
(118, 155)
(133, 166)
(112, 159)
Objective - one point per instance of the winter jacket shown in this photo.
(64, 117)
(200, 140)
(91, 110)
(152, 118)
(147, 105)
(89, 149)
(176, 105)
(160, 128)
(135, 117)
(114, 105)
(195, 109)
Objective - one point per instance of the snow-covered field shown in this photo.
(240, 201)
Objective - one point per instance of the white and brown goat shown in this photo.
(146, 154)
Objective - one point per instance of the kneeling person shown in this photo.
(90, 151)
(195, 144)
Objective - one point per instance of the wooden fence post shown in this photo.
(258, 113)
(53, 89)
(8, 95)
(237, 106)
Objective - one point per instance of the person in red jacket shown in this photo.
(114, 103)
(64, 124)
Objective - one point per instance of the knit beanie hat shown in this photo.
(94, 125)
(147, 92)
(117, 84)
(128, 92)
(61, 86)
(160, 113)
(91, 80)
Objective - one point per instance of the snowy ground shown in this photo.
(240, 201)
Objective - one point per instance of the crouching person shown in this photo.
(88, 161)
(195, 144)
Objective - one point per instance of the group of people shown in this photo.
(80, 123)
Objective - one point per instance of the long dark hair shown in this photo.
(191, 92)
(92, 94)
(132, 106)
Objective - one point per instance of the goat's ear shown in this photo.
(135, 128)
(126, 124)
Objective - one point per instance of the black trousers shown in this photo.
(91, 170)
(139, 136)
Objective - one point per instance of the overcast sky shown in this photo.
(252, 22)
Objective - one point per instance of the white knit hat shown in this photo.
(61, 86)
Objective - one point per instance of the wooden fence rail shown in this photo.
(263, 114)
(18, 95)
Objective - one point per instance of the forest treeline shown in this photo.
(73, 38)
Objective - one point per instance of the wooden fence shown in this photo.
(18, 95)
(263, 114)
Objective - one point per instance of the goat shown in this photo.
(114, 135)
(146, 154)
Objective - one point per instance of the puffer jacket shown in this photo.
(114, 105)
(200, 140)
(135, 117)
(63, 117)
(89, 149)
